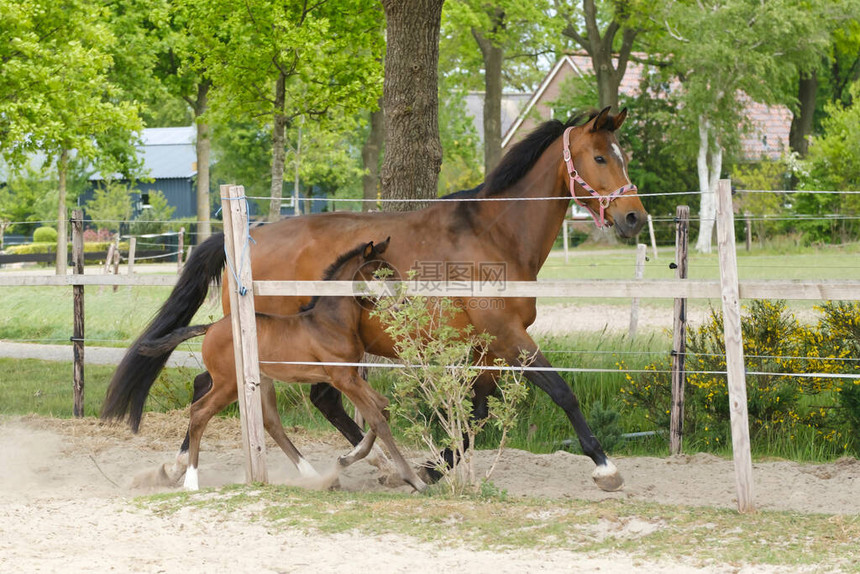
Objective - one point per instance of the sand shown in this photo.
(66, 504)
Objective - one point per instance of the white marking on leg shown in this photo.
(306, 469)
(191, 482)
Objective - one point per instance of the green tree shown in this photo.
(727, 52)
(110, 205)
(276, 63)
(56, 95)
(505, 30)
(833, 164)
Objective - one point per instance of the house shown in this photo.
(169, 160)
(768, 138)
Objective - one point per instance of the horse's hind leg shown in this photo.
(368, 401)
(273, 425)
(222, 393)
(172, 473)
(329, 402)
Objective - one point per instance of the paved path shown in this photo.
(92, 355)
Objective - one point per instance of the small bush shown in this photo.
(781, 407)
(433, 393)
(45, 235)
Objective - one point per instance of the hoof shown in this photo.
(607, 477)
(428, 473)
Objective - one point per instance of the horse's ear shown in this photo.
(600, 119)
(619, 119)
(381, 247)
(367, 252)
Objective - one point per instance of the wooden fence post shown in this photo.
(638, 273)
(242, 316)
(679, 333)
(748, 229)
(116, 258)
(734, 346)
(78, 306)
(132, 247)
(565, 237)
(653, 239)
(181, 248)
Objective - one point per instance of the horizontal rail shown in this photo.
(596, 288)
(653, 288)
(62, 280)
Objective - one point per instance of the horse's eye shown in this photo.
(600, 159)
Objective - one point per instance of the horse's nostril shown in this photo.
(632, 219)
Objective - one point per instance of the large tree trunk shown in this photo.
(493, 56)
(204, 145)
(370, 153)
(413, 152)
(62, 216)
(599, 48)
(278, 149)
(801, 124)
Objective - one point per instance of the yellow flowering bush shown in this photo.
(784, 401)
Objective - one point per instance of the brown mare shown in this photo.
(325, 332)
(455, 239)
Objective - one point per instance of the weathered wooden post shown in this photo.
(78, 306)
(651, 233)
(181, 248)
(679, 333)
(638, 273)
(243, 319)
(748, 229)
(116, 258)
(132, 247)
(565, 238)
(734, 346)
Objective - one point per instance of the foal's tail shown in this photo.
(137, 371)
(166, 344)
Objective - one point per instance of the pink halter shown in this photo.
(602, 200)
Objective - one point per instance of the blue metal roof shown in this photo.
(167, 153)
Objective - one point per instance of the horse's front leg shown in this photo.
(606, 475)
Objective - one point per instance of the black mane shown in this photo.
(331, 271)
(523, 155)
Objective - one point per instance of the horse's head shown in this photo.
(596, 169)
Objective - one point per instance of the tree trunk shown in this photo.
(600, 49)
(493, 56)
(278, 148)
(204, 144)
(413, 152)
(801, 124)
(370, 154)
(62, 216)
(709, 176)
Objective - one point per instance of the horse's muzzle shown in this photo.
(630, 223)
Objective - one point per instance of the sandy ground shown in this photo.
(66, 490)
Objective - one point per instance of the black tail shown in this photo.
(136, 372)
(166, 344)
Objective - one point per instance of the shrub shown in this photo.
(45, 235)
(780, 405)
(433, 392)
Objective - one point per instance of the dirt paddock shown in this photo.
(66, 490)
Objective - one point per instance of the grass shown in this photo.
(702, 536)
